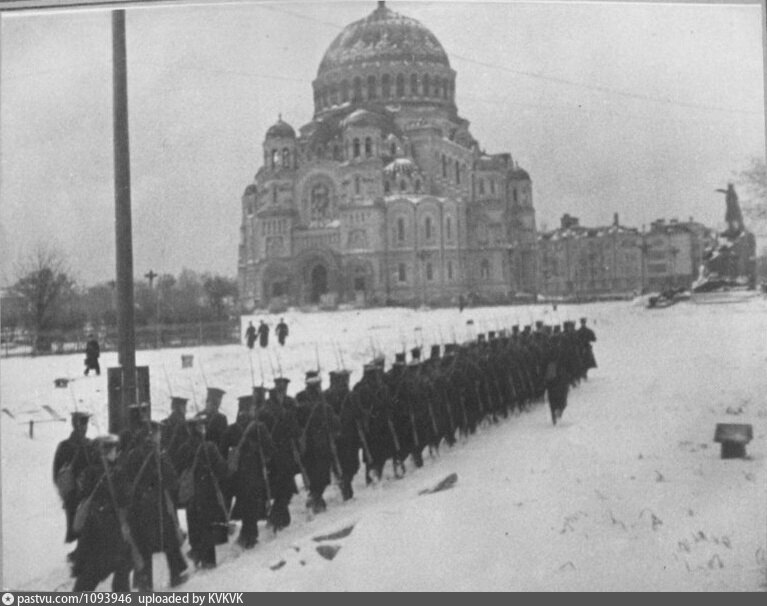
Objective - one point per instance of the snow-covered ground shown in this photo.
(627, 493)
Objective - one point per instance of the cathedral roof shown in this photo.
(383, 36)
(281, 129)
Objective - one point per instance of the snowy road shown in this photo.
(628, 493)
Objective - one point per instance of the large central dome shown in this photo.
(383, 36)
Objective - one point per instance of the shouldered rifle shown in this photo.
(264, 471)
(352, 397)
(448, 408)
(216, 487)
(331, 437)
(122, 518)
(297, 458)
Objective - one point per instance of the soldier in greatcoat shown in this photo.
(72, 456)
(320, 428)
(154, 484)
(557, 379)
(372, 396)
(248, 459)
(279, 417)
(348, 443)
(174, 430)
(104, 541)
(586, 337)
(397, 380)
(206, 513)
(216, 423)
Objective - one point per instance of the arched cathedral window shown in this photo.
(320, 203)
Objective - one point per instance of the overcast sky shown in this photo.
(641, 109)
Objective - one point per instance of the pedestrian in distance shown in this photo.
(263, 334)
(92, 353)
(281, 331)
(250, 335)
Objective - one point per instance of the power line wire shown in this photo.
(553, 79)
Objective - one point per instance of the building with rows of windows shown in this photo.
(615, 261)
(384, 196)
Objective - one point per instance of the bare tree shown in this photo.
(219, 290)
(45, 287)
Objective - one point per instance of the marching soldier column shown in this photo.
(121, 496)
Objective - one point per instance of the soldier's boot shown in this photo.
(417, 458)
(318, 503)
(554, 416)
(346, 489)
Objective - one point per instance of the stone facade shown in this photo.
(578, 262)
(385, 196)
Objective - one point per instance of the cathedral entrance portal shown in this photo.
(319, 283)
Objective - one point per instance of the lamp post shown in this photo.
(123, 227)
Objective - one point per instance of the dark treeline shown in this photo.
(45, 305)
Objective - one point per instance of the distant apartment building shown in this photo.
(579, 262)
(674, 252)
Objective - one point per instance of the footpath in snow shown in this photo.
(627, 493)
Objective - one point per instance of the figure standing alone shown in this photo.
(92, 353)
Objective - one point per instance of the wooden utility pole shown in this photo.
(126, 338)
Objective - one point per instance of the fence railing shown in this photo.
(16, 342)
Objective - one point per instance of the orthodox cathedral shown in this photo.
(384, 197)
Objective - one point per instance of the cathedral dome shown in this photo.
(363, 118)
(383, 36)
(281, 129)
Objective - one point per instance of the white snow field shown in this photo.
(628, 493)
